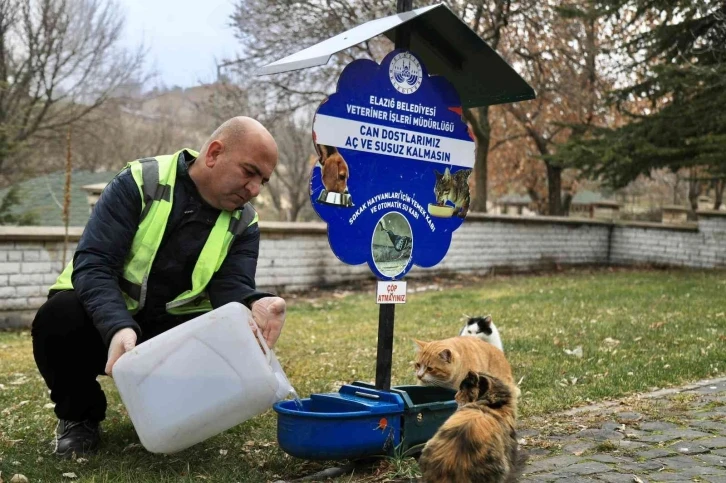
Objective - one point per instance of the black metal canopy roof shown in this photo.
(447, 47)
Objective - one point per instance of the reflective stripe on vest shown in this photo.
(151, 189)
(155, 178)
(218, 245)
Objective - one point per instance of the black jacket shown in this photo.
(103, 247)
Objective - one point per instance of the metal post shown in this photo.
(403, 33)
(384, 356)
(386, 312)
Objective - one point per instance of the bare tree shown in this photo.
(153, 130)
(288, 189)
(560, 52)
(289, 186)
(719, 185)
(60, 60)
(271, 29)
(493, 21)
(109, 137)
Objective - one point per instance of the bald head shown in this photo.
(234, 163)
(242, 129)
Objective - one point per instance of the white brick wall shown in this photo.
(483, 243)
(297, 256)
(698, 246)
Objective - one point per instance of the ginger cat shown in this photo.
(478, 443)
(446, 362)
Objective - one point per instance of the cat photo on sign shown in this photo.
(392, 244)
(454, 188)
(334, 174)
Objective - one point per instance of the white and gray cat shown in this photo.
(484, 328)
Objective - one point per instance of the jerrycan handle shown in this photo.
(263, 344)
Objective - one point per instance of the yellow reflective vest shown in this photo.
(155, 178)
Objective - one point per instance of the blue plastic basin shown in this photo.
(352, 423)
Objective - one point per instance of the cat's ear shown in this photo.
(445, 355)
(469, 382)
(447, 173)
(485, 324)
(438, 175)
(484, 384)
(420, 345)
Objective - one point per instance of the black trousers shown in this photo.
(70, 353)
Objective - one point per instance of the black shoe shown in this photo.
(79, 437)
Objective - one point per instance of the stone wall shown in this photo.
(30, 260)
(296, 256)
(525, 243)
(702, 245)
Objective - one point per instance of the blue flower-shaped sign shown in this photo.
(394, 162)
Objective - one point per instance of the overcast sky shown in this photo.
(184, 37)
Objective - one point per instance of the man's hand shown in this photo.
(123, 341)
(269, 314)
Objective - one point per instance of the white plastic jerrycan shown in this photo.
(198, 379)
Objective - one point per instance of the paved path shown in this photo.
(669, 435)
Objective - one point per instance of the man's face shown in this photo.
(239, 172)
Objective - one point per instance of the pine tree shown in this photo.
(677, 101)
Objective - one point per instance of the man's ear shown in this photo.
(214, 149)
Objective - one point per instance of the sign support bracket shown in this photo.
(386, 312)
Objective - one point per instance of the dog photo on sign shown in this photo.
(334, 173)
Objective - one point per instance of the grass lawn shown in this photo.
(637, 329)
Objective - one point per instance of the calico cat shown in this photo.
(446, 362)
(454, 188)
(484, 328)
(478, 442)
(333, 168)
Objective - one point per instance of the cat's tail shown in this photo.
(519, 463)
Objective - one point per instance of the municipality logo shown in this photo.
(405, 73)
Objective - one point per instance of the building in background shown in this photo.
(42, 197)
